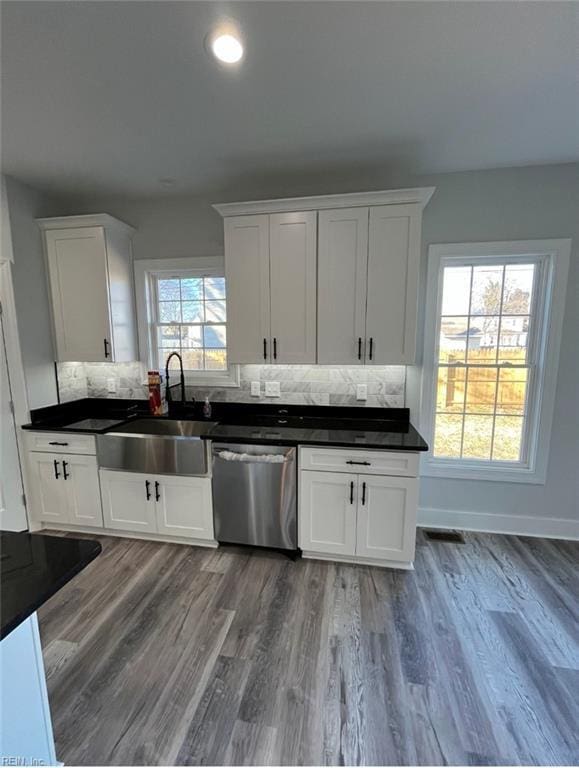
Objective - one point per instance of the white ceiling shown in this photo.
(111, 97)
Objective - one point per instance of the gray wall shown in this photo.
(30, 290)
(505, 204)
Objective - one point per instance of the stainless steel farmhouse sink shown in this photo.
(156, 446)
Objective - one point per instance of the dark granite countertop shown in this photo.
(340, 426)
(33, 567)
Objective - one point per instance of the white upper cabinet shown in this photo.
(91, 287)
(392, 298)
(247, 279)
(346, 294)
(342, 271)
(292, 258)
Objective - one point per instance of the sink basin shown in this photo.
(165, 428)
(157, 447)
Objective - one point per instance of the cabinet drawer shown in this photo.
(60, 442)
(360, 462)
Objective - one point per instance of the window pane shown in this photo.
(487, 284)
(518, 289)
(191, 336)
(168, 290)
(512, 391)
(453, 335)
(456, 290)
(215, 311)
(481, 390)
(514, 337)
(483, 340)
(447, 436)
(477, 438)
(450, 389)
(170, 311)
(214, 288)
(168, 336)
(215, 359)
(192, 289)
(193, 359)
(508, 438)
(214, 335)
(193, 312)
(164, 354)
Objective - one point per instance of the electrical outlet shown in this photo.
(361, 392)
(255, 389)
(272, 389)
(111, 385)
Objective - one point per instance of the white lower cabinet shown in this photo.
(358, 517)
(164, 504)
(328, 512)
(65, 489)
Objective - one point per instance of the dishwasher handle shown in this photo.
(249, 458)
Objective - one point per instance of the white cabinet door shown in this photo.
(342, 268)
(387, 518)
(292, 251)
(79, 286)
(49, 495)
(81, 479)
(125, 503)
(327, 512)
(184, 506)
(392, 295)
(247, 278)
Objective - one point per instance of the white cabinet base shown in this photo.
(356, 560)
(211, 543)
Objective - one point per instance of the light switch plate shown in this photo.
(361, 392)
(255, 389)
(272, 389)
(111, 385)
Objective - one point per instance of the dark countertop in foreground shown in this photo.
(33, 567)
(338, 426)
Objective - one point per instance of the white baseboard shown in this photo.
(113, 532)
(355, 560)
(487, 522)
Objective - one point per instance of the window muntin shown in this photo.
(189, 317)
(485, 360)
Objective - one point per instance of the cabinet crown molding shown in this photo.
(419, 195)
(88, 220)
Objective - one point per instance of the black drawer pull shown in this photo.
(371, 345)
(359, 347)
(352, 492)
(363, 493)
(265, 349)
(274, 348)
(56, 473)
(148, 489)
(55, 442)
(65, 474)
(360, 463)
(106, 343)
(157, 494)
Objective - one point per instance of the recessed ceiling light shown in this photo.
(224, 42)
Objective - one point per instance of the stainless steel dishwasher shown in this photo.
(254, 495)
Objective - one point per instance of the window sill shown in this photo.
(475, 472)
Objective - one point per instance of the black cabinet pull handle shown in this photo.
(371, 345)
(352, 492)
(55, 442)
(65, 474)
(265, 349)
(148, 489)
(361, 463)
(363, 493)
(274, 348)
(56, 474)
(359, 347)
(157, 494)
(106, 343)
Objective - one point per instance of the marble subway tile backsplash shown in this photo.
(299, 384)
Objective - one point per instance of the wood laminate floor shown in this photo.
(167, 654)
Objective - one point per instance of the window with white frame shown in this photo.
(491, 332)
(182, 307)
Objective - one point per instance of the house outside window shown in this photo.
(494, 316)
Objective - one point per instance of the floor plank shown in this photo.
(167, 654)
